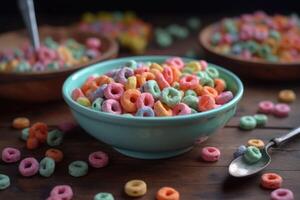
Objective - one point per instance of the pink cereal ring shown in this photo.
(29, 166)
(98, 159)
(145, 99)
(168, 74)
(189, 82)
(182, 109)
(281, 110)
(203, 64)
(176, 62)
(141, 70)
(210, 154)
(111, 106)
(282, 194)
(11, 155)
(224, 97)
(114, 91)
(162, 82)
(93, 43)
(65, 192)
(76, 93)
(266, 107)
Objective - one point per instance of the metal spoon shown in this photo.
(27, 10)
(239, 168)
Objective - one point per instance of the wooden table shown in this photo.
(193, 178)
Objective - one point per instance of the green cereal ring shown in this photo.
(251, 46)
(4, 181)
(275, 35)
(181, 32)
(205, 79)
(78, 168)
(170, 96)
(78, 53)
(96, 105)
(153, 88)
(50, 43)
(191, 101)
(252, 155)
(132, 64)
(103, 196)
(272, 58)
(23, 66)
(193, 111)
(163, 38)
(261, 119)
(194, 23)
(215, 38)
(55, 137)
(229, 26)
(53, 66)
(212, 72)
(25, 134)
(190, 92)
(127, 115)
(264, 51)
(247, 123)
(47, 167)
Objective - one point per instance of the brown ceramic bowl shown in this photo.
(249, 69)
(46, 86)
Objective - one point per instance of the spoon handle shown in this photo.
(280, 140)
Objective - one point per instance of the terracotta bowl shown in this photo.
(249, 69)
(46, 86)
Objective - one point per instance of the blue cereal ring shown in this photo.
(145, 111)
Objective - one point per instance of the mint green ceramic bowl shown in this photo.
(151, 137)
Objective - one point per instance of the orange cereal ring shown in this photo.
(156, 66)
(32, 143)
(207, 90)
(146, 76)
(198, 90)
(167, 193)
(161, 81)
(161, 109)
(168, 74)
(128, 100)
(176, 74)
(39, 131)
(56, 154)
(220, 85)
(90, 85)
(20, 123)
(271, 181)
(206, 102)
(103, 80)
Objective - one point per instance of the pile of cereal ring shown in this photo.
(259, 36)
(132, 32)
(150, 89)
(50, 56)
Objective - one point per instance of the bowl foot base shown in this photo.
(152, 155)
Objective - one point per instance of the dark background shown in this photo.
(61, 12)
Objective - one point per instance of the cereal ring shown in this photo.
(111, 106)
(282, 194)
(271, 181)
(20, 123)
(210, 154)
(176, 74)
(145, 99)
(256, 143)
(207, 90)
(168, 74)
(265, 107)
(132, 64)
(240, 151)
(152, 88)
(193, 65)
(56, 154)
(247, 123)
(224, 97)
(287, 96)
(161, 109)
(97, 104)
(189, 82)
(170, 96)
(11, 155)
(98, 93)
(55, 137)
(135, 188)
(144, 77)
(28, 166)
(140, 70)
(181, 109)
(25, 134)
(261, 119)
(176, 62)
(78, 168)
(114, 91)
(167, 193)
(131, 83)
(162, 82)
(4, 181)
(281, 110)
(84, 101)
(32, 143)
(101, 80)
(64, 192)
(252, 155)
(145, 111)
(191, 101)
(190, 92)
(220, 85)
(93, 43)
(76, 93)
(198, 90)
(156, 66)
(123, 75)
(47, 167)
(98, 159)
(203, 64)
(206, 102)
(212, 72)
(104, 196)
(129, 99)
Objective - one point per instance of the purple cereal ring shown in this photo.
(29, 166)
(111, 106)
(99, 93)
(282, 194)
(145, 99)
(65, 192)
(123, 74)
(76, 93)
(38, 67)
(224, 97)
(266, 107)
(11, 155)
(114, 91)
(112, 72)
(93, 43)
(181, 109)
(281, 110)
(98, 159)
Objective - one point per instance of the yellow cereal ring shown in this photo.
(287, 96)
(135, 188)
(131, 83)
(156, 66)
(257, 143)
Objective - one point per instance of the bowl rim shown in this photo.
(101, 115)
(202, 37)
